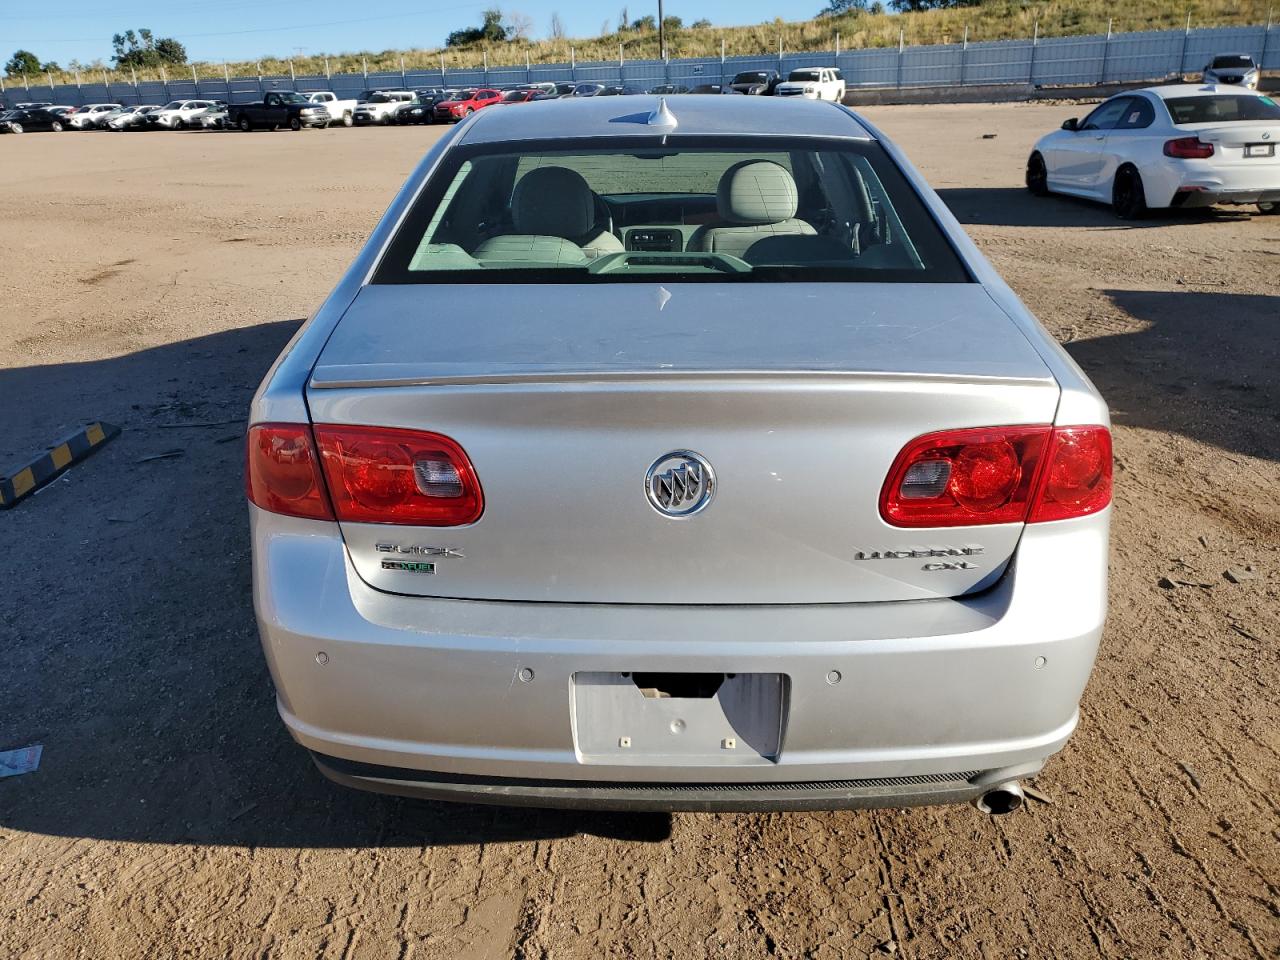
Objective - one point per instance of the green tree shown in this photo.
(491, 30)
(702, 24)
(22, 61)
(171, 51)
(143, 49)
(645, 24)
(915, 6)
(838, 8)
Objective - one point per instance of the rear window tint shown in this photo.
(1222, 108)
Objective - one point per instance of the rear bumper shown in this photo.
(686, 797)
(474, 700)
(1209, 195)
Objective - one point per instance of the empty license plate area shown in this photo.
(1259, 149)
(673, 718)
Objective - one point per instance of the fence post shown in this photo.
(964, 53)
(77, 74)
(1186, 36)
(262, 91)
(528, 67)
(901, 44)
(837, 44)
(226, 77)
(1266, 37)
(364, 66)
(26, 86)
(485, 55)
(1035, 42)
(49, 76)
(164, 78)
(1106, 51)
(573, 64)
(136, 92)
(619, 57)
(293, 78)
(442, 83)
(403, 81)
(779, 53)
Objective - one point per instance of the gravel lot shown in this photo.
(150, 280)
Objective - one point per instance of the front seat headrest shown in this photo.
(756, 192)
(553, 202)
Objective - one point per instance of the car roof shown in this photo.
(695, 115)
(1194, 90)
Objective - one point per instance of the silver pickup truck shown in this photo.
(677, 456)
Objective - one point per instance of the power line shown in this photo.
(294, 26)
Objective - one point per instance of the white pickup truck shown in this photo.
(340, 111)
(813, 83)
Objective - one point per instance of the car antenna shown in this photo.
(662, 117)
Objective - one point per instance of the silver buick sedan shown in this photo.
(677, 456)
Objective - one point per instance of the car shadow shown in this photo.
(1016, 207)
(129, 644)
(1206, 366)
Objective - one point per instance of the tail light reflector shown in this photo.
(282, 471)
(388, 475)
(960, 478)
(1077, 479)
(1188, 148)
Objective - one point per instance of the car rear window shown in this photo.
(1222, 108)
(679, 209)
(1231, 63)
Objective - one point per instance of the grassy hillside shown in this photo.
(989, 20)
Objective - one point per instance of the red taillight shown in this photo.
(282, 471)
(960, 478)
(964, 477)
(1077, 479)
(387, 475)
(1188, 148)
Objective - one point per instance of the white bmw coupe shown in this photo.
(1175, 146)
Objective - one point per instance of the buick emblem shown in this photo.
(680, 483)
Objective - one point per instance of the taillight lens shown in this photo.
(1188, 148)
(961, 478)
(387, 475)
(1077, 478)
(282, 471)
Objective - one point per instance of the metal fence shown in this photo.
(1062, 61)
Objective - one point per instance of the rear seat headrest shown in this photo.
(756, 192)
(553, 202)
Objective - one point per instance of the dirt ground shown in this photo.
(149, 281)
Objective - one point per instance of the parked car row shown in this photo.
(385, 107)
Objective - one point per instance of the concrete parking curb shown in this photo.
(47, 466)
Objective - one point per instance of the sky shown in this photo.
(247, 29)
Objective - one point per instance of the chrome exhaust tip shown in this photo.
(1001, 799)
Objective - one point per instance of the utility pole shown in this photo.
(662, 33)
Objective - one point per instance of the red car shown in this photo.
(518, 96)
(466, 103)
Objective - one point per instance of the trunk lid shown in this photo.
(563, 396)
(1230, 141)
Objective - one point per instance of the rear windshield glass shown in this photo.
(799, 76)
(757, 77)
(1226, 108)
(1232, 63)
(689, 209)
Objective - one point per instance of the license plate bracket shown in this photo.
(617, 721)
(1259, 149)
